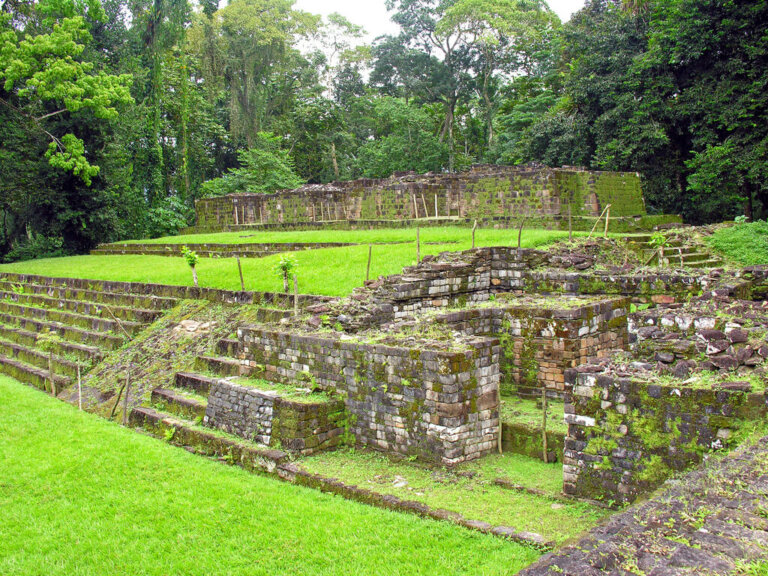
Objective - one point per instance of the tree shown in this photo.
(264, 168)
(44, 77)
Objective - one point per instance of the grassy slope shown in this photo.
(743, 243)
(331, 271)
(80, 495)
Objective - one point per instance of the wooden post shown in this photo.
(436, 214)
(570, 225)
(261, 215)
(426, 212)
(368, 269)
(125, 398)
(607, 220)
(597, 222)
(240, 269)
(418, 245)
(117, 402)
(474, 228)
(234, 206)
(544, 422)
(295, 296)
(501, 426)
(415, 207)
(50, 372)
(79, 389)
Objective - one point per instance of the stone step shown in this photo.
(228, 347)
(39, 358)
(139, 315)
(178, 404)
(95, 338)
(697, 257)
(712, 263)
(223, 366)
(29, 374)
(71, 319)
(66, 292)
(197, 383)
(61, 348)
(273, 314)
(182, 432)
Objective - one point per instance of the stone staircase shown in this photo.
(677, 254)
(49, 328)
(226, 407)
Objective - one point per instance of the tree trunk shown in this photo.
(335, 161)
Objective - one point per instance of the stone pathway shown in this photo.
(712, 521)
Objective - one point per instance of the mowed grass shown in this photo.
(470, 489)
(328, 271)
(442, 234)
(80, 495)
(743, 243)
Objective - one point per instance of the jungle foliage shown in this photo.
(116, 116)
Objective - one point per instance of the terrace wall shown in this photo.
(481, 193)
(438, 405)
(625, 436)
(266, 418)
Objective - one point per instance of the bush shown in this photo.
(36, 246)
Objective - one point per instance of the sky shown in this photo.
(373, 16)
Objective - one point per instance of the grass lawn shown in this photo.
(80, 495)
(743, 243)
(446, 234)
(469, 489)
(330, 271)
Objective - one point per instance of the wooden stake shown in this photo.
(426, 212)
(436, 214)
(520, 239)
(368, 269)
(418, 246)
(79, 389)
(235, 208)
(117, 402)
(474, 227)
(50, 373)
(501, 426)
(598, 221)
(607, 220)
(295, 296)
(544, 422)
(261, 215)
(415, 207)
(240, 269)
(125, 398)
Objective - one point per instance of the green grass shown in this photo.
(446, 234)
(330, 271)
(469, 489)
(81, 496)
(743, 243)
(516, 410)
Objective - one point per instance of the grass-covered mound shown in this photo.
(329, 271)
(743, 243)
(81, 495)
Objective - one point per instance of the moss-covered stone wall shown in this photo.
(437, 405)
(537, 193)
(626, 437)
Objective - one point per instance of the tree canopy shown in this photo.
(118, 115)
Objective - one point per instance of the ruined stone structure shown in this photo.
(485, 193)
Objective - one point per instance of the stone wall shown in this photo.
(440, 405)
(263, 416)
(481, 193)
(541, 339)
(626, 436)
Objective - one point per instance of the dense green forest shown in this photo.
(117, 115)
